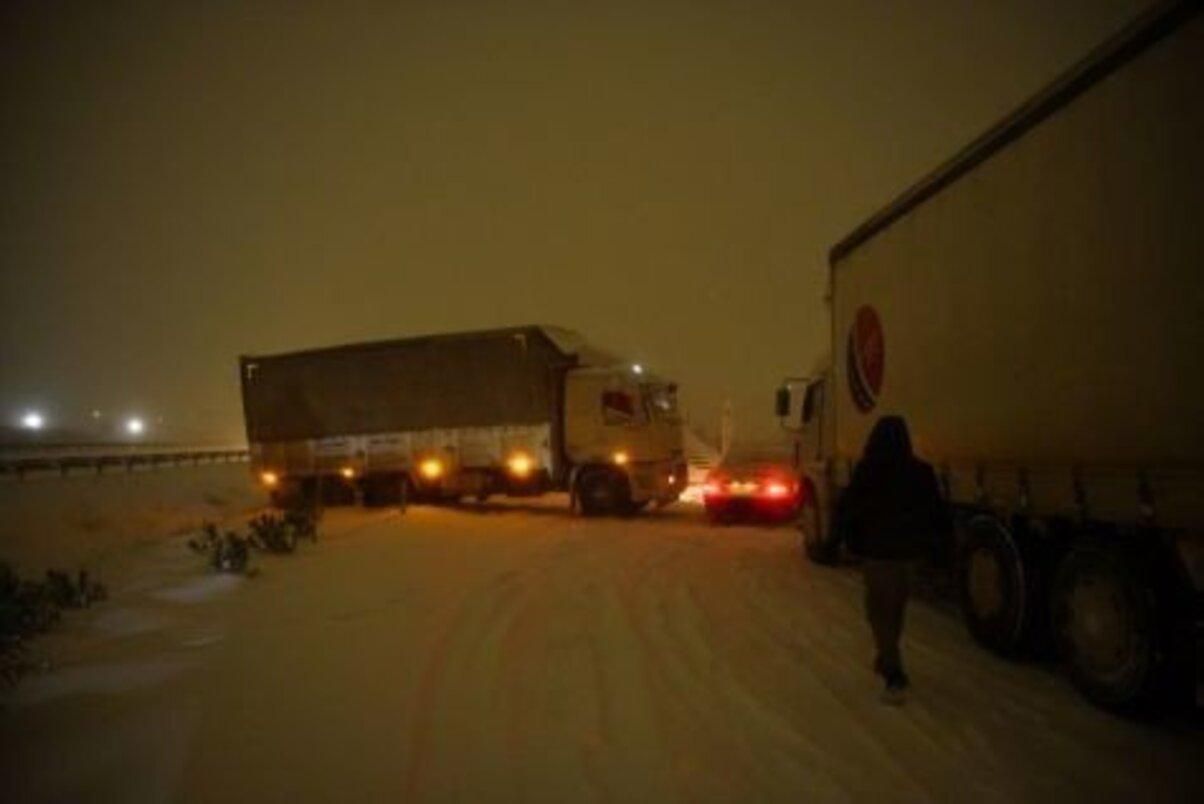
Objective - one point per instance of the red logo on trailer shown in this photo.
(866, 356)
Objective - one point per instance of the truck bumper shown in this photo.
(657, 481)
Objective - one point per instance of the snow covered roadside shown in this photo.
(68, 522)
(514, 653)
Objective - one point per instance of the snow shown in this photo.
(512, 652)
(53, 522)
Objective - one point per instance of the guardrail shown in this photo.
(100, 462)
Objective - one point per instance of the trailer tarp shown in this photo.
(510, 376)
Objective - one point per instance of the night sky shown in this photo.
(184, 184)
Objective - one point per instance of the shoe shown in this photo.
(895, 690)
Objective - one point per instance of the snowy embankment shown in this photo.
(512, 652)
(78, 520)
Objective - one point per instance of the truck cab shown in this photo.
(804, 409)
(623, 438)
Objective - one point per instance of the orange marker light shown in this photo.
(620, 458)
(520, 464)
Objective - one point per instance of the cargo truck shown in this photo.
(516, 411)
(1034, 308)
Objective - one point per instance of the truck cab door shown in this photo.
(811, 446)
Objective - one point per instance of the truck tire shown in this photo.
(819, 550)
(998, 589)
(289, 494)
(633, 508)
(602, 492)
(382, 490)
(1107, 626)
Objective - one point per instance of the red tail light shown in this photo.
(777, 490)
(715, 485)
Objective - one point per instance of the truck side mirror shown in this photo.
(782, 402)
(809, 404)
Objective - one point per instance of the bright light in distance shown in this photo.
(33, 421)
(269, 479)
(620, 458)
(637, 368)
(347, 472)
(135, 426)
(520, 464)
(431, 468)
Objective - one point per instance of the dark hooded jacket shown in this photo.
(892, 508)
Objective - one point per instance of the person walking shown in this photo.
(890, 515)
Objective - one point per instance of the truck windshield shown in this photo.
(661, 401)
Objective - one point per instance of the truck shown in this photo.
(517, 411)
(1034, 309)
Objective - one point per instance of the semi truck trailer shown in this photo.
(517, 411)
(1034, 309)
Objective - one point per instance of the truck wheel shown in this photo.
(632, 508)
(602, 492)
(997, 590)
(818, 549)
(1105, 621)
(384, 490)
(284, 497)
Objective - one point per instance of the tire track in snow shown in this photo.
(810, 724)
(448, 678)
(695, 685)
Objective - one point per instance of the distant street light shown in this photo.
(637, 368)
(33, 421)
(134, 426)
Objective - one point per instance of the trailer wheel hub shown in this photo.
(985, 583)
(1098, 626)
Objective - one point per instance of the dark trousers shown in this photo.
(886, 588)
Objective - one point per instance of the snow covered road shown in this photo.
(515, 653)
